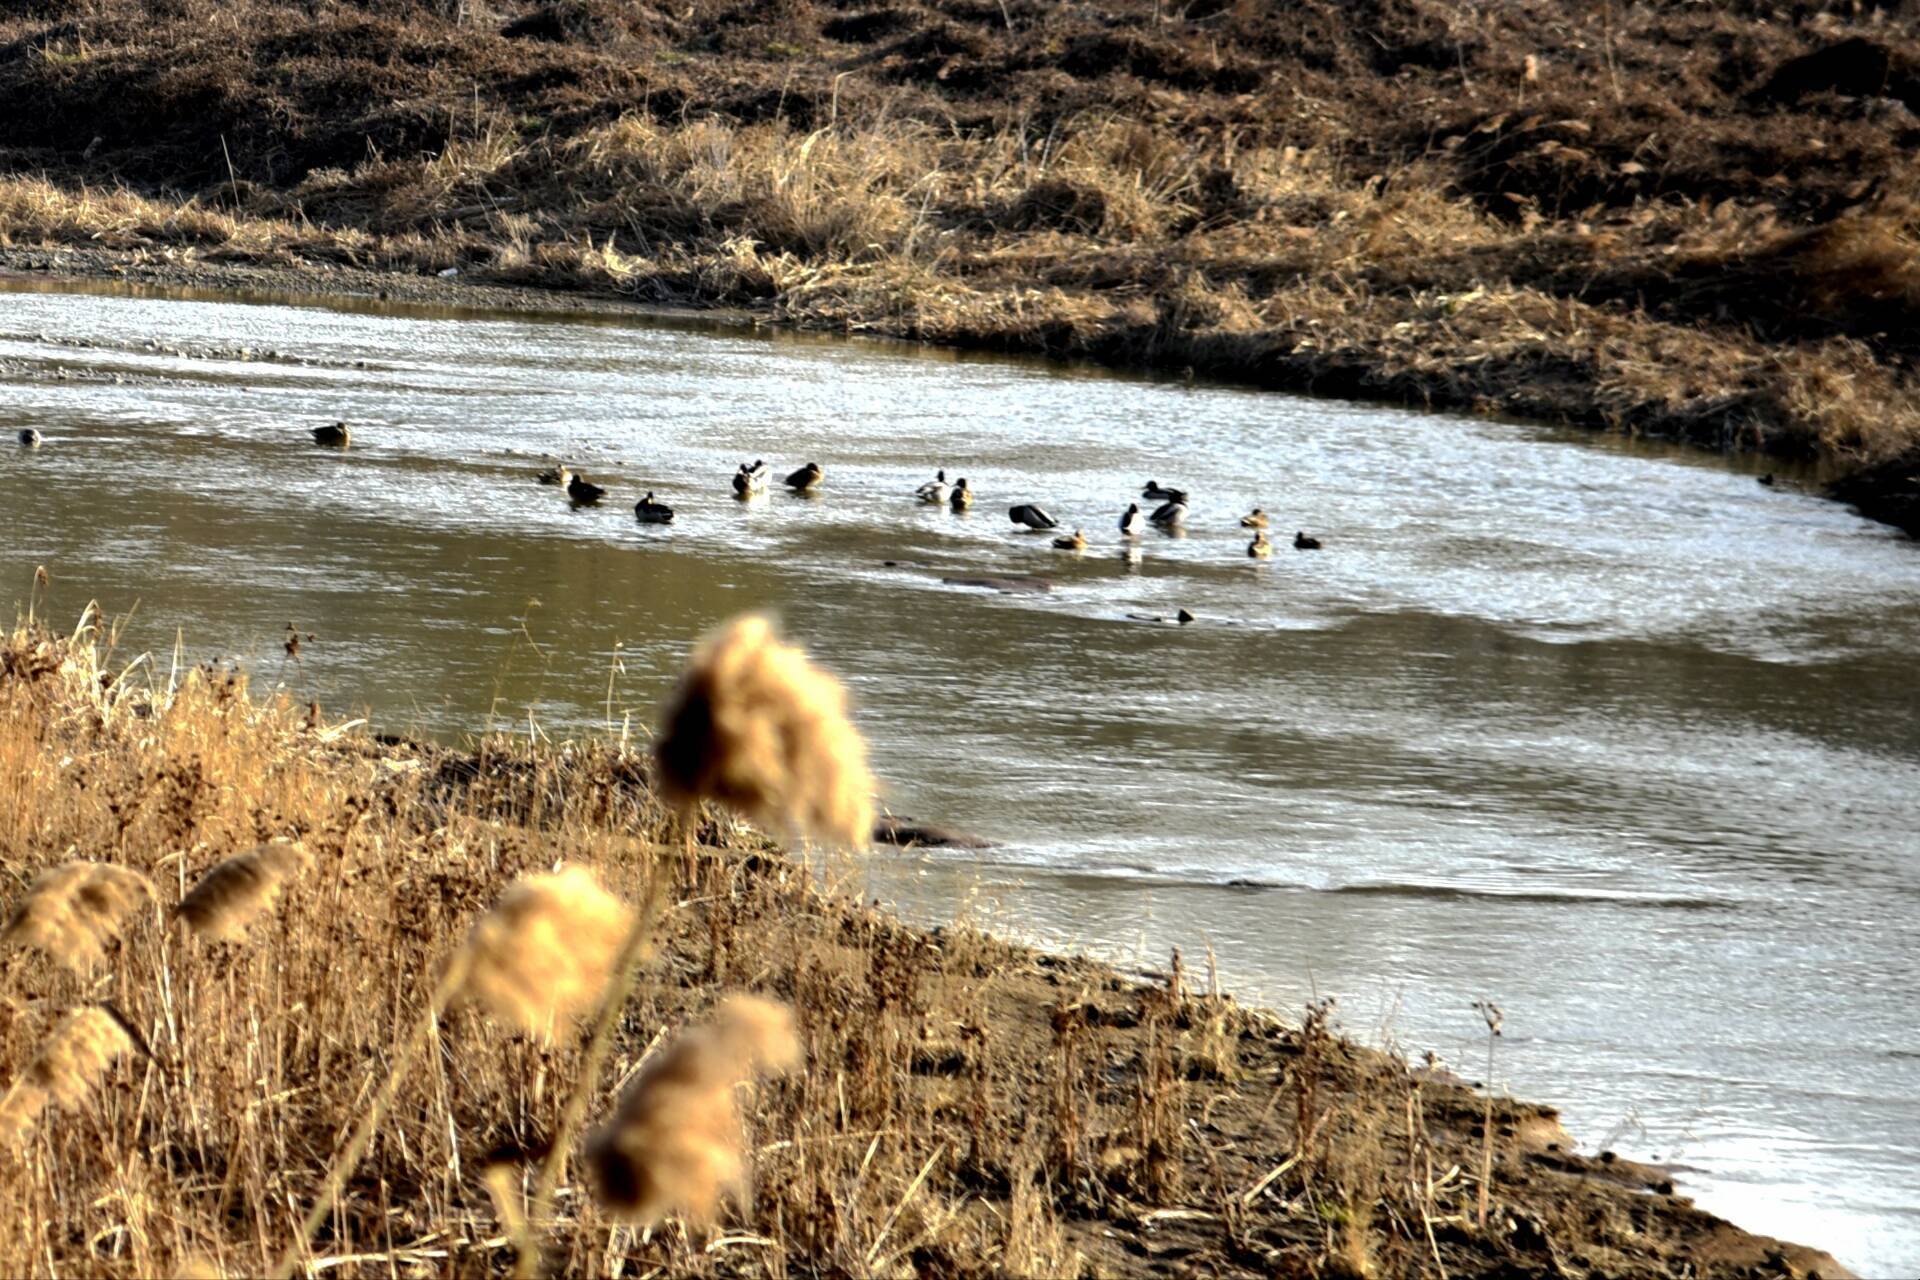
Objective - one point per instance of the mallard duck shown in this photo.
(1131, 521)
(750, 481)
(583, 493)
(806, 479)
(934, 492)
(1032, 516)
(336, 436)
(560, 474)
(647, 511)
(1170, 515)
(1301, 542)
(1075, 541)
(29, 438)
(1157, 492)
(1260, 548)
(962, 496)
(1254, 519)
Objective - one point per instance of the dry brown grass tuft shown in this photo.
(546, 951)
(757, 727)
(673, 1143)
(241, 889)
(75, 910)
(69, 1065)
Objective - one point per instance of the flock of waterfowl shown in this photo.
(753, 478)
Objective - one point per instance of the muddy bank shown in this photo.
(968, 1107)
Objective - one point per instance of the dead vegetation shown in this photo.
(924, 1103)
(1695, 221)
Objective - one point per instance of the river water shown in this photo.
(1609, 734)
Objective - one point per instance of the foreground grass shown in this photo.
(1698, 224)
(964, 1107)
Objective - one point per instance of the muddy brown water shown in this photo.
(1609, 734)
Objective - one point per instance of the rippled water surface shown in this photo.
(1612, 735)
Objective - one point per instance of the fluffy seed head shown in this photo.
(241, 889)
(74, 910)
(673, 1144)
(546, 950)
(757, 727)
(67, 1068)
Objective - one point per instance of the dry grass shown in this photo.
(961, 1107)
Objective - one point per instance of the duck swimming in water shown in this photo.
(560, 474)
(1157, 492)
(750, 481)
(1032, 516)
(29, 438)
(934, 492)
(962, 496)
(1301, 542)
(1170, 515)
(1131, 521)
(1260, 548)
(806, 479)
(583, 493)
(1254, 519)
(1075, 541)
(336, 436)
(647, 511)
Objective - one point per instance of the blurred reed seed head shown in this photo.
(758, 728)
(241, 889)
(74, 910)
(673, 1143)
(547, 949)
(67, 1069)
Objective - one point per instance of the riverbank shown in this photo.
(968, 1106)
(1697, 225)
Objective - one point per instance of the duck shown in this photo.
(1301, 542)
(336, 436)
(29, 438)
(1075, 541)
(934, 492)
(1183, 617)
(1170, 515)
(1131, 520)
(806, 479)
(560, 474)
(1254, 519)
(1767, 480)
(647, 511)
(1032, 516)
(583, 493)
(1157, 492)
(750, 481)
(1260, 548)
(962, 496)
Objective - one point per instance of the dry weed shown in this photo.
(75, 910)
(673, 1143)
(755, 726)
(241, 889)
(71, 1062)
(546, 951)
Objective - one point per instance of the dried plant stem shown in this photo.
(397, 1068)
(626, 965)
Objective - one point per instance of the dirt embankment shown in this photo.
(966, 1107)
(1687, 220)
